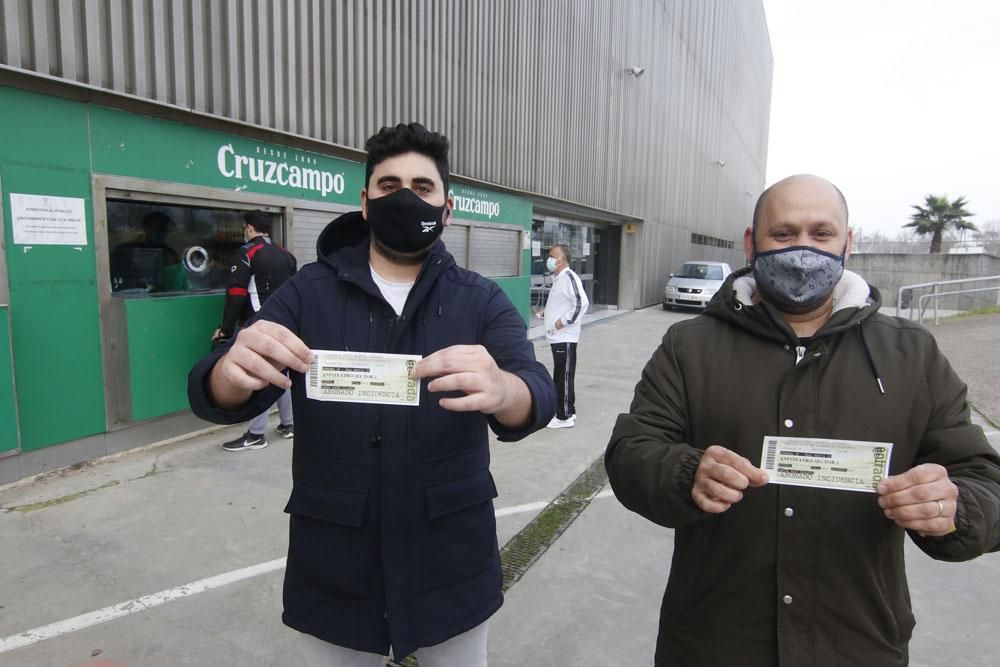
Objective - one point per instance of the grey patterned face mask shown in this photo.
(797, 279)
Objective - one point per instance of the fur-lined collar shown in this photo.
(851, 291)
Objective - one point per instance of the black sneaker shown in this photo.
(246, 441)
(285, 430)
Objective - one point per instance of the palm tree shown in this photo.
(937, 215)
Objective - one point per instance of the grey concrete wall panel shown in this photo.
(889, 272)
(535, 96)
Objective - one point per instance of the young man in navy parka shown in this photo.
(392, 532)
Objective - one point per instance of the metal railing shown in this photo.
(935, 294)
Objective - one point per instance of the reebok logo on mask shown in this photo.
(404, 222)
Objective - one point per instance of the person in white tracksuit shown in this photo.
(563, 314)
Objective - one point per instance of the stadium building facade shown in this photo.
(135, 134)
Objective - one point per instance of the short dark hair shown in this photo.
(564, 251)
(406, 138)
(259, 220)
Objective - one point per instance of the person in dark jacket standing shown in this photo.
(862, 425)
(392, 534)
(261, 268)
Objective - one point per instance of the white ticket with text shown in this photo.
(363, 377)
(850, 465)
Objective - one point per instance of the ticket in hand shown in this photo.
(850, 465)
(363, 377)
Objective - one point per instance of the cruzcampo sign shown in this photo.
(127, 144)
(270, 165)
(488, 206)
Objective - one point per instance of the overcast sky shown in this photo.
(891, 100)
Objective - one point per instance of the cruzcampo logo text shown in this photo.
(275, 172)
(490, 209)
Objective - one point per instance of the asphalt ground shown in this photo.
(171, 555)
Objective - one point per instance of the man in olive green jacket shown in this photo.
(793, 346)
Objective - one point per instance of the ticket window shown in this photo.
(168, 248)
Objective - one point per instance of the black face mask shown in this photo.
(404, 222)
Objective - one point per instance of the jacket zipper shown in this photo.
(376, 438)
(800, 352)
(392, 329)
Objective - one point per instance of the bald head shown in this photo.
(795, 191)
(802, 210)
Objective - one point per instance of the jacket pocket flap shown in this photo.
(458, 494)
(343, 506)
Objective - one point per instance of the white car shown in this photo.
(694, 284)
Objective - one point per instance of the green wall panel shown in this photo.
(483, 205)
(519, 291)
(128, 144)
(44, 150)
(166, 336)
(42, 130)
(8, 417)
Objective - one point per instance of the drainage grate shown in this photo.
(525, 548)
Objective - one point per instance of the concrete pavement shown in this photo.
(972, 344)
(155, 521)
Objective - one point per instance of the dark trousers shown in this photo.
(564, 361)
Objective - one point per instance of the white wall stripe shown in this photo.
(145, 602)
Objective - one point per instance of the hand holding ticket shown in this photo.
(922, 499)
(849, 465)
(469, 369)
(721, 478)
(363, 377)
(486, 387)
(256, 359)
(394, 379)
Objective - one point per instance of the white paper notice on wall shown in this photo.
(586, 248)
(536, 248)
(45, 220)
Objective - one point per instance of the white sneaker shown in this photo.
(562, 423)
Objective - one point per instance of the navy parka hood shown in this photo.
(347, 231)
